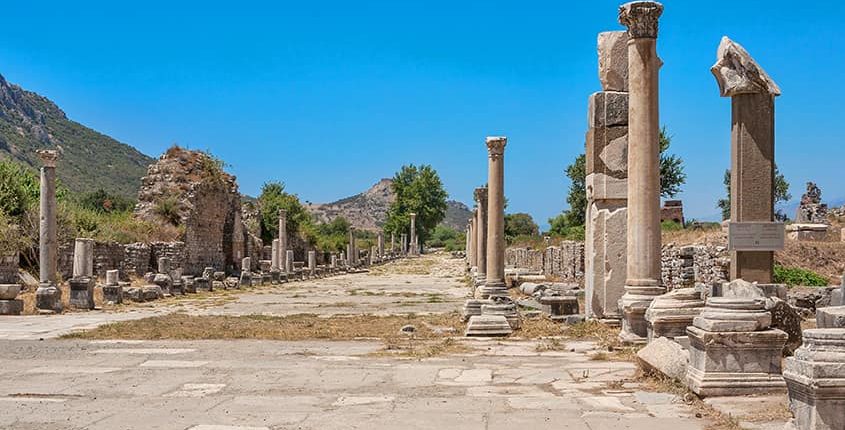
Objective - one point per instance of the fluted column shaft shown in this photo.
(496, 212)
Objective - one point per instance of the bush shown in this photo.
(796, 276)
(168, 209)
(671, 226)
(447, 237)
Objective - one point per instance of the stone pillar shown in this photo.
(415, 248)
(353, 253)
(467, 240)
(289, 261)
(392, 243)
(275, 256)
(48, 297)
(312, 262)
(481, 226)
(380, 244)
(752, 94)
(112, 291)
(372, 255)
(283, 238)
(605, 244)
(164, 265)
(643, 281)
(246, 264)
(83, 258)
(333, 262)
(473, 243)
(495, 283)
(404, 243)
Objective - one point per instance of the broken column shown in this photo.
(112, 291)
(669, 315)
(481, 225)
(380, 254)
(607, 181)
(283, 239)
(246, 275)
(312, 263)
(752, 94)
(815, 377)
(734, 350)
(275, 256)
(289, 262)
(404, 244)
(48, 297)
(643, 281)
(353, 252)
(10, 287)
(413, 232)
(162, 278)
(392, 244)
(494, 285)
(82, 282)
(473, 244)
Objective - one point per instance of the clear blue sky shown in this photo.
(330, 96)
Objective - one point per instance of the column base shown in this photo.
(634, 303)
(48, 298)
(81, 293)
(113, 294)
(492, 289)
(11, 307)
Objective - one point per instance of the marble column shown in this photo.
(643, 281)
(312, 262)
(404, 243)
(473, 242)
(353, 253)
(48, 297)
(495, 283)
(414, 247)
(83, 258)
(481, 226)
(289, 262)
(380, 245)
(283, 238)
(752, 94)
(275, 256)
(392, 243)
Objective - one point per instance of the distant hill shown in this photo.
(368, 210)
(88, 159)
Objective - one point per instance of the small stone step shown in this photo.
(488, 325)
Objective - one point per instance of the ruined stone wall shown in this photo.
(108, 256)
(205, 228)
(177, 252)
(136, 260)
(564, 261)
(685, 266)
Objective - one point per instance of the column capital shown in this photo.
(283, 213)
(480, 194)
(641, 18)
(737, 73)
(48, 156)
(496, 145)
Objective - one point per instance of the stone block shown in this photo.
(81, 293)
(9, 291)
(613, 60)
(815, 377)
(48, 298)
(113, 294)
(735, 363)
(11, 307)
(787, 319)
(488, 325)
(202, 284)
(151, 292)
(607, 151)
(605, 258)
(666, 357)
(134, 294)
(607, 109)
(830, 317)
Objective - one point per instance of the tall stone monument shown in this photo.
(607, 181)
(283, 239)
(494, 285)
(752, 94)
(48, 297)
(643, 280)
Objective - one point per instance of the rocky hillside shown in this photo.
(368, 210)
(89, 160)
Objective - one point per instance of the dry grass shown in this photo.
(607, 339)
(688, 236)
(180, 326)
(541, 327)
(550, 344)
(411, 347)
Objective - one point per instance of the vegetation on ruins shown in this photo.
(448, 238)
(570, 223)
(796, 276)
(781, 195)
(418, 189)
(520, 225)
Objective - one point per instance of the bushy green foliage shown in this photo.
(103, 201)
(19, 189)
(671, 226)
(418, 190)
(796, 276)
(520, 224)
(672, 175)
(332, 236)
(447, 238)
(273, 198)
(781, 195)
(560, 226)
(168, 209)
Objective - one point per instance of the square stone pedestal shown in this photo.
(113, 294)
(11, 307)
(735, 363)
(815, 377)
(82, 293)
(48, 298)
(560, 306)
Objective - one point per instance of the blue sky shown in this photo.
(331, 96)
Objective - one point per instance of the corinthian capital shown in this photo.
(48, 157)
(481, 194)
(641, 18)
(496, 145)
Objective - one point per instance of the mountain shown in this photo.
(88, 160)
(368, 210)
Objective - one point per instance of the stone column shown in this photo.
(473, 242)
(607, 181)
(312, 262)
(392, 243)
(48, 297)
(380, 244)
(467, 240)
(643, 281)
(275, 256)
(112, 291)
(404, 243)
(334, 262)
(495, 284)
(481, 226)
(752, 94)
(353, 253)
(283, 238)
(414, 245)
(289, 262)
(83, 258)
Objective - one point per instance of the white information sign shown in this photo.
(756, 236)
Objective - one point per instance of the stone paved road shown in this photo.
(247, 384)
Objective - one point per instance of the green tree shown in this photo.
(781, 195)
(672, 175)
(520, 224)
(577, 197)
(19, 189)
(418, 190)
(105, 202)
(448, 238)
(273, 197)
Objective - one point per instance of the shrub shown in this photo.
(671, 226)
(168, 209)
(796, 276)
